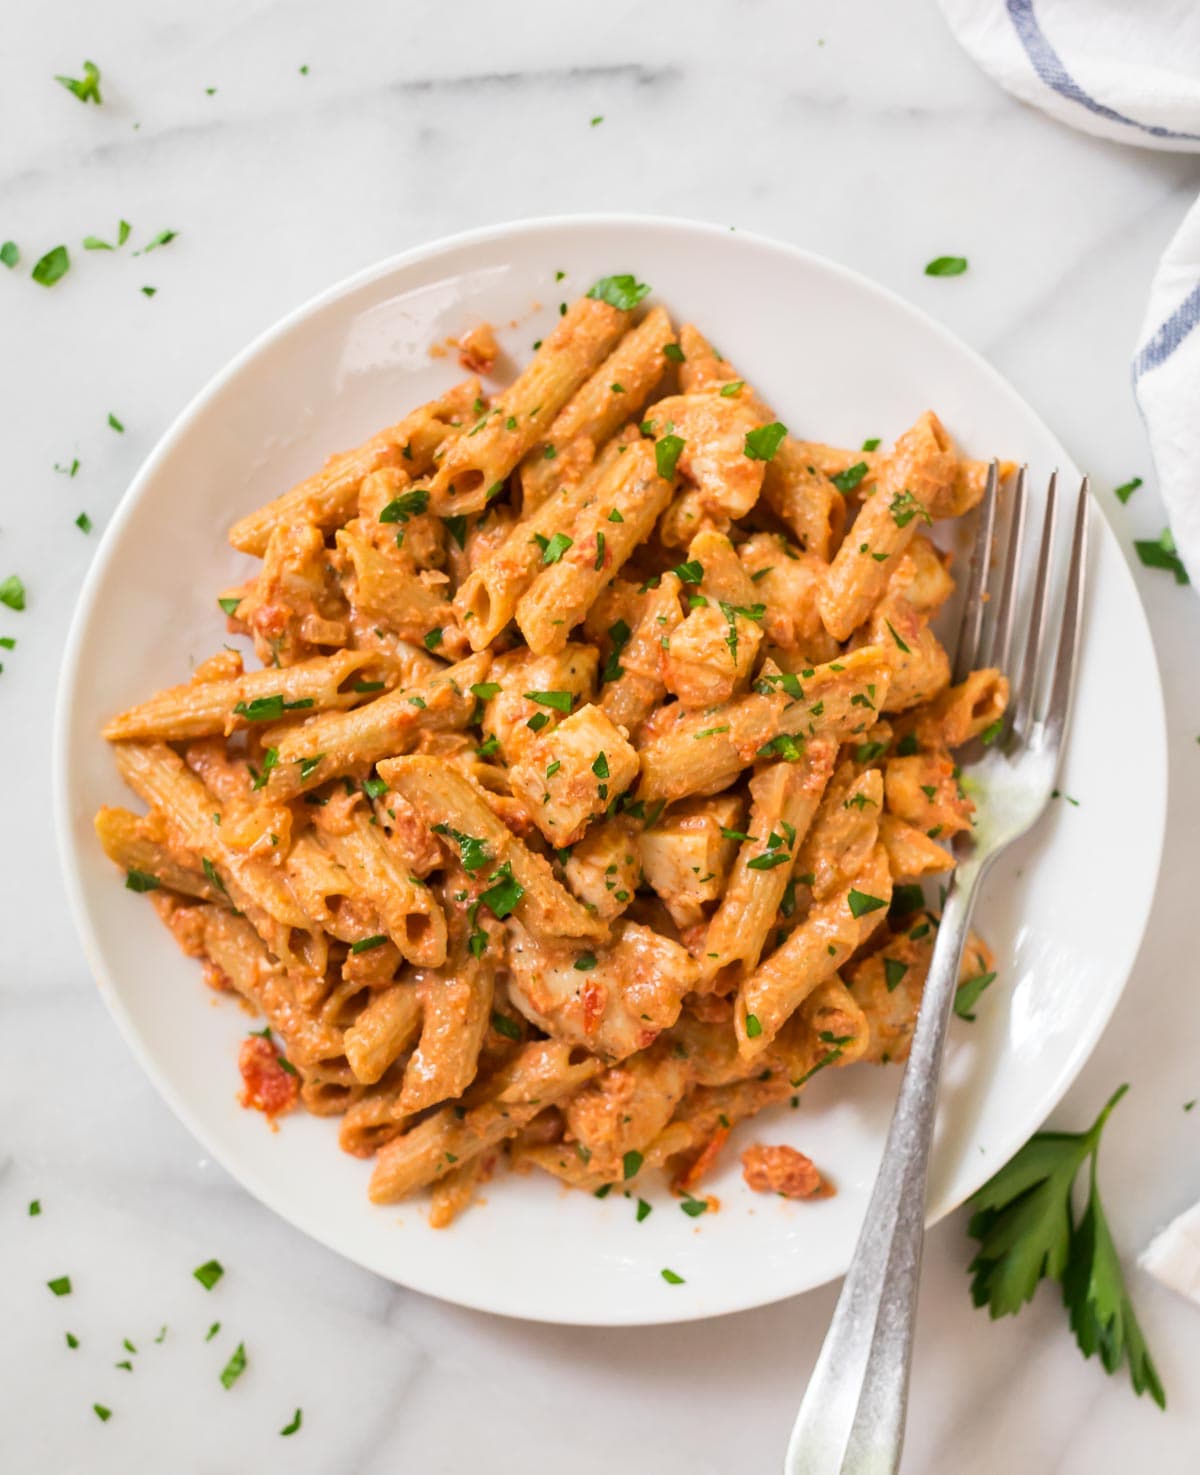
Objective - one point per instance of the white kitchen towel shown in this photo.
(1127, 70)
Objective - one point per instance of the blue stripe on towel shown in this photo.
(1049, 66)
(1169, 336)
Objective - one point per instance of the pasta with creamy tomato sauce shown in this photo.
(599, 738)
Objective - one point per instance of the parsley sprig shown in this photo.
(1026, 1228)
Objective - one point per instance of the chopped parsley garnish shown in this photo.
(904, 507)
(868, 752)
(406, 505)
(946, 266)
(907, 746)
(968, 995)
(769, 860)
(671, 1278)
(585, 962)
(736, 835)
(368, 944)
(212, 1331)
(784, 746)
(503, 892)
(872, 444)
(433, 638)
(761, 444)
(599, 564)
(753, 1026)
(10, 254)
(644, 1210)
(489, 746)
(690, 572)
(209, 1273)
(624, 291)
(1026, 1227)
(52, 267)
(102, 1413)
(230, 605)
(673, 352)
(561, 701)
(860, 903)
(115, 424)
(619, 633)
(1161, 553)
(61, 1285)
(907, 899)
(727, 391)
(991, 732)
(485, 690)
(900, 643)
(269, 709)
(847, 480)
(270, 760)
(235, 1367)
(554, 548)
(72, 1340)
(694, 1207)
(667, 451)
(473, 851)
(1127, 489)
(148, 291)
(708, 732)
(85, 88)
(297, 1419)
(457, 528)
(505, 1026)
(35, 1208)
(366, 686)
(141, 881)
(631, 1164)
(893, 971)
(538, 721)
(309, 766)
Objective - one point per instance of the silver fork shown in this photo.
(851, 1421)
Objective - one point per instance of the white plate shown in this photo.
(840, 359)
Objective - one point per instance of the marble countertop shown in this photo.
(290, 144)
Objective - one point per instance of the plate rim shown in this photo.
(249, 1179)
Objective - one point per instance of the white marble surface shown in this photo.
(857, 130)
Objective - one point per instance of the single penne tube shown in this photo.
(964, 711)
(383, 1031)
(784, 799)
(912, 478)
(703, 752)
(562, 593)
(540, 1074)
(208, 708)
(478, 461)
(451, 805)
(843, 832)
(613, 394)
(126, 841)
(813, 952)
(235, 949)
(454, 1192)
(409, 912)
(335, 742)
(253, 884)
(456, 1009)
(329, 498)
(487, 598)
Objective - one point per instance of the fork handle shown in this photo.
(851, 1421)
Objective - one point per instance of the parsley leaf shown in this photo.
(12, 592)
(904, 507)
(1127, 489)
(85, 88)
(761, 444)
(9, 254)
(860, 903)
(666, 454)
(52, 267)
(946, 266)
(556, 547)
(472, 850)
(560, 700)
(1025, 1226)
(1161, 553)
(847, 480)
(623, 292)
(968, 995)
(406, 505)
